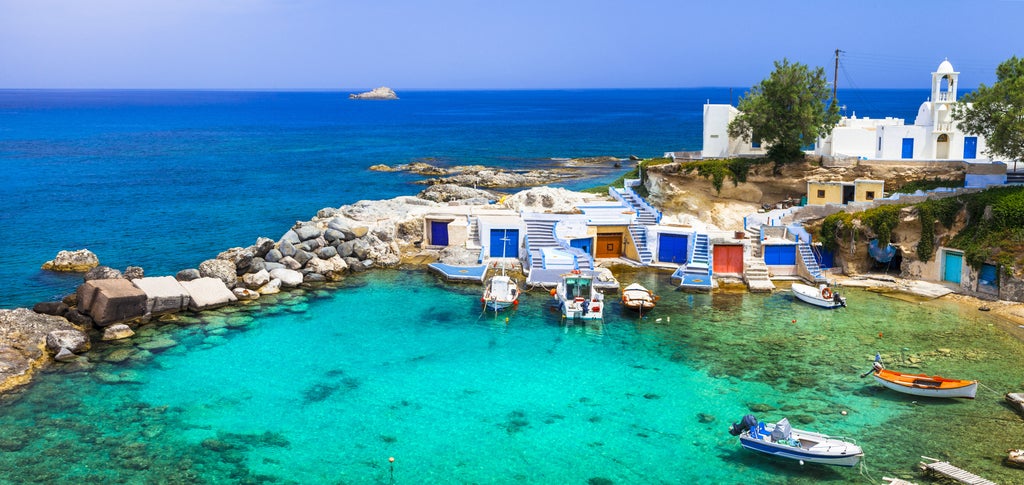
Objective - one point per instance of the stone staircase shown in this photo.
(810, 264)
(755, 274)
(541, 234)
(696, 274)
(639, 234)
(473, 234)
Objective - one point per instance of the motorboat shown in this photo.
(823, 296)
(922, 384)
(577, 297)
(637, 298)
(782, 440)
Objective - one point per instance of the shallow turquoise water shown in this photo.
(325, 387)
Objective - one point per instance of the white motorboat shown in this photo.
(780, 439)
(822, 296)
(577, 297)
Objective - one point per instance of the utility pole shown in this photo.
(835, 77)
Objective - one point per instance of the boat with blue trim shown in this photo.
(780, 439)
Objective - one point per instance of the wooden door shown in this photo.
(609, 245)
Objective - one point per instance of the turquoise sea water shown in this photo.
(326, 386)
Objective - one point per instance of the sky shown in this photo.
(495, 44)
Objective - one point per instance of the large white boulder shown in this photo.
(289, 277)
(208, 292)
(164, 294)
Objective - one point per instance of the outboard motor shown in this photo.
(748, 422)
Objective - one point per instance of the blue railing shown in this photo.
(577, 252)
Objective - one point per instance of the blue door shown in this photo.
(780, 254)
(970, 147)
(585, 244)
(438, 233)
(672, 248)
(908, 148)
(953, 264)
(988, 275)
(504, 243)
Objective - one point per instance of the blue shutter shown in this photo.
(780, 254)
(506, 240)
(438, 233)
(672, 248)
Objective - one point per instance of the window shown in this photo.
(870, 195)
(821, 193)
(879, 143)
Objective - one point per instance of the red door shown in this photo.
(728, 259)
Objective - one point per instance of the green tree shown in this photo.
(997, 112)
(786, 111)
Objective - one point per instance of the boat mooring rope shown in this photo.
(864, 472)
(990, 389)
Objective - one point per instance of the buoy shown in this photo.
(391, 459)
(843, 412)
(879, 334)
(515, 302)
(553, 291)
(794, 321)
(506, 319)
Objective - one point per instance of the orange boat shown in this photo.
(923, 385)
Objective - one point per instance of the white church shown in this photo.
(933, 136)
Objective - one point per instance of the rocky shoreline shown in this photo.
(111, 304)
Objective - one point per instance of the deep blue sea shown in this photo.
(324, 386)
(167, 179)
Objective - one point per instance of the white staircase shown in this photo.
(807, 256)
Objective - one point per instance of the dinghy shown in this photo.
(637, 298)
(921, 384)
(780, 439)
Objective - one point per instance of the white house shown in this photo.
(933, 136)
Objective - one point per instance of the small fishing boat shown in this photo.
(637, 298)
(1016, 400)
(1015, 458)
(921, 384)
(577, 297)
(780, 439)
(822, 296)
(500, 293)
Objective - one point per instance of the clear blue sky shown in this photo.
(500, 44)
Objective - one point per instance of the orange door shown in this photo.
(609, 245)
(728, 259)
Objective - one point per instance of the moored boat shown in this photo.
(500, 293)
(637, 298)
(1014, 458)
(780, 439)
(577, 297)
(1016, 400)
(823, 296)
(923, 385)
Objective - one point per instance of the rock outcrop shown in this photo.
(23, 335)
(78, 261)
(381, 93)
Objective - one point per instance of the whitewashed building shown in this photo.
(933, 136)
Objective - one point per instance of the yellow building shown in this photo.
(860, 190)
